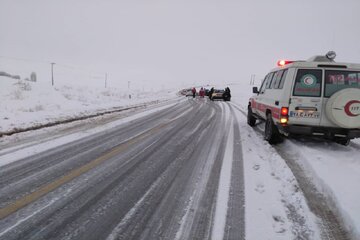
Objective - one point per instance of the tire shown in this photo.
(251, 120)
(271, 133)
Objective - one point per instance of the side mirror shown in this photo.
(255, 90)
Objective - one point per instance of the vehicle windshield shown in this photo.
(337, 80)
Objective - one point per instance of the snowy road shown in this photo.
(174, 174)
(186, 169)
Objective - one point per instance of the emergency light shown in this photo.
(282, 63)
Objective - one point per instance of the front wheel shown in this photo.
(272, 134)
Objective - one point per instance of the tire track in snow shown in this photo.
(235, 222)
(229, 219)
(223, 191)
(331, 225)
(197, 220)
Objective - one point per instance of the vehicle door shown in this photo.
(259, 101)
(305, 106)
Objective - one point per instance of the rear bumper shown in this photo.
(326, 132)
(221, 97)
(217, 98)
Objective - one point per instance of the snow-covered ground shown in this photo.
(272, 195)
(25, 104)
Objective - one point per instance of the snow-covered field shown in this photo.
(25, 104)
(272, 194)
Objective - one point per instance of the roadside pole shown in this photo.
(52, 74)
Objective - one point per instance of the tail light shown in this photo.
(284, 115)
(284, 111)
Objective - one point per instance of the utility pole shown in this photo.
(105, 80)
(52, 74)
(252, 79)
(129, 89)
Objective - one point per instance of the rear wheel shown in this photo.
(251, 120)
(272, 134)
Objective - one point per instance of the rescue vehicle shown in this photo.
(317, 97)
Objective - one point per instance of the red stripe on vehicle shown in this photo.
(263, 107)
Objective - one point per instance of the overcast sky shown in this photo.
(168, 43)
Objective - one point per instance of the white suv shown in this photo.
(316, 97)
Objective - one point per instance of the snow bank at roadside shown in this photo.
(25, 104)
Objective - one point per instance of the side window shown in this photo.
(276, 80)
(352, 79)
(337, 80)
(308, 83)
(282, 80)
(268, 81)
(262, 88)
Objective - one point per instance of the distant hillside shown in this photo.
(5, 74)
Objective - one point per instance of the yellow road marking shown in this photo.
(27, 199)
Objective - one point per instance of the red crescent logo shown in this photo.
(308, 81)
(347, 108)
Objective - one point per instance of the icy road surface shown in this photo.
(156, 177)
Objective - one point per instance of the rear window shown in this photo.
(308, 83)
(336, 80)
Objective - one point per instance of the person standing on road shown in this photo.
(211, 92)
(227, 94)
(193, 92)
(227, 90)
(202, 92)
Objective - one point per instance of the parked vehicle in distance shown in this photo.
(317, 97)
(217, 94)
(188, 93)
(220, 94)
